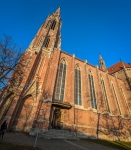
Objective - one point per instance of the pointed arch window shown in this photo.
(53, 24)
(78, 100)
(105, 95)
(60, 85)
(116, 100)
(47, 42)
(92, 91)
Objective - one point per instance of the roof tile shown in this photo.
(118, 66)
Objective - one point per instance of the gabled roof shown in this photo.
(118, 66)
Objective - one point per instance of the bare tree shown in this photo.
(12, 71)
(10, 55)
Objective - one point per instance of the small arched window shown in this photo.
(53, 25)
(78, 100)
(47, 42)
(60, 85)
(105, 95)
(92, 91)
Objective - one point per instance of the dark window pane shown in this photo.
(53, 25)
(60, 74)
(77, 86)
(61, 97)
(58, 90)
(57, 96)
(47, 42)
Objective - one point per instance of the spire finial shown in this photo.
(58, 10)
(100, 57)
(102, 63)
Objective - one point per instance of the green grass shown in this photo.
(9, 146)
(114, 144)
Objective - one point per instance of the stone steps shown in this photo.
(59, 134)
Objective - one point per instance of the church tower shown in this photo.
(102, 63)
(36, 74)
(47, 39)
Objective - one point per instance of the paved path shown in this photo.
(19, 138)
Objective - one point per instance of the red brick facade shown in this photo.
(32, 102)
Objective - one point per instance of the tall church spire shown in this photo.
(48, 36)
(102, 63)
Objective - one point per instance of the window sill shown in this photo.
(78, 106)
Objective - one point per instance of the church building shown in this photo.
(52, 89)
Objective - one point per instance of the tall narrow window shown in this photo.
(105, 95)
(60, 85)
(78, 86)
(92, 92)
(47, 42)
(53, 25)
(116, 100)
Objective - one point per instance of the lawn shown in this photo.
(8, 146)
(114, 144)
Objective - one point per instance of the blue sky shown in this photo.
(89, 27)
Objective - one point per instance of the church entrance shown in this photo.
(56, 122)
(56, 117)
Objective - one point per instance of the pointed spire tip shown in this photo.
(58, 9)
